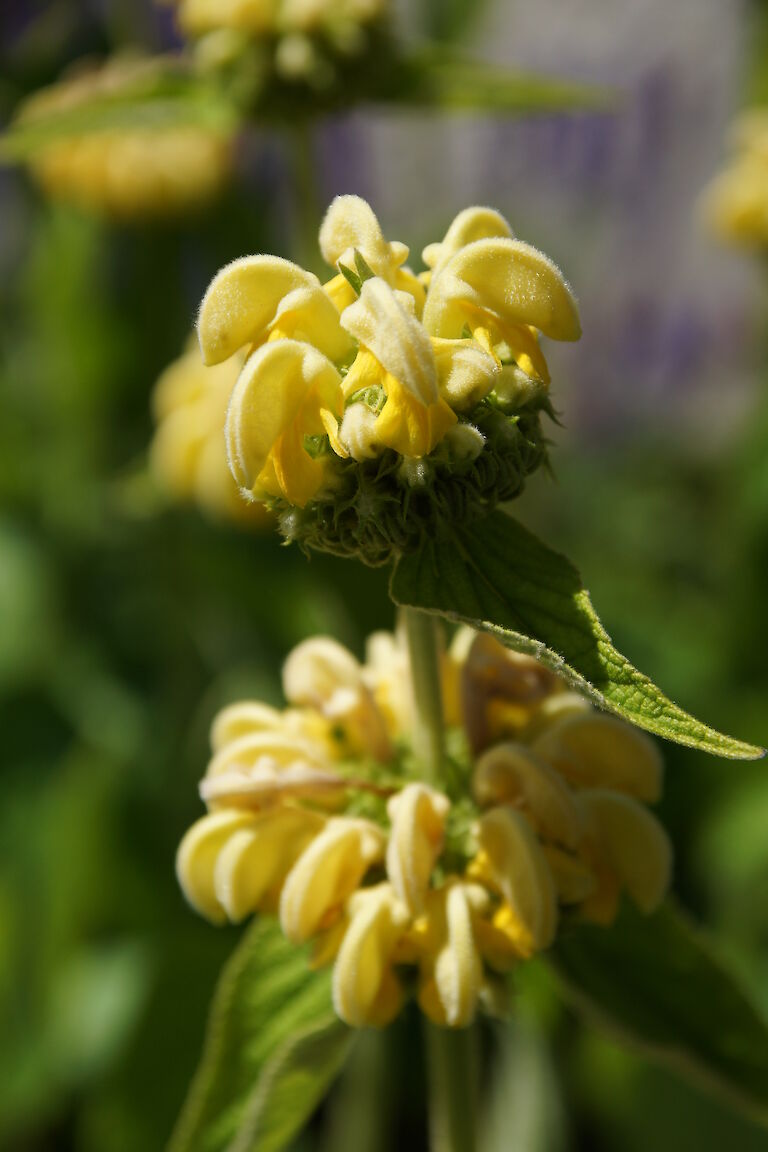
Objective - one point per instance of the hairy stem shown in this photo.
(421, 630)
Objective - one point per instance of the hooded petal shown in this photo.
(634, 844)
(471, 224)
(466, 372)
(385, 326)
(452, 977)
(512, 863)
(197, 855)
(327, 874)
(592, 750)
(365, 989)
(511, 774)
(506, 280)
(415, 841)
(253, 293)
(276, 402)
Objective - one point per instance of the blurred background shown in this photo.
(126, 621)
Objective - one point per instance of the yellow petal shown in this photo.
(328, 873)
(280, 391)
(299, 475)
(593, 750)
(351, 223)
(471, 224)
(408, 426)
(573, 877)
(506, 280)
(511, 774)
(197, 856)
(512, 863)
(331, 425)
(280, 746)
(243, 719)
(635, 845)
(417, 814)
(245, 298)
(524, 346)
(466, 372)
(453, 977)
(383, 325)
(254, 861)
(503, 940)
(365, 990)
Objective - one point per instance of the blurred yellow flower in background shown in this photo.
(735, 206)
(317, 814)
(188, 455)
(127, 173)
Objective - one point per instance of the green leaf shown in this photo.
(163, 98)
(654, 983)
(273, 1047)
(496, 576)
(438, 78)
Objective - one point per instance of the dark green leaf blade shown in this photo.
(271, 1017)
(497, 576)
(654, 983)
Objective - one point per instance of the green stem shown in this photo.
(424, 654)
(451, 1059)
(300, 138)
(450, 1052)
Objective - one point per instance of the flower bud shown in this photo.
(452, 972)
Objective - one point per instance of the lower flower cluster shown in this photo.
(317, 815)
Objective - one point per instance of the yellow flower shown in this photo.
(372, 362)
(417, 817)
(327, 874)
(128, 173)
(188, 455)
(452, 969)
(735, 206)
(396, 876)
(262, 17)
(365, 988)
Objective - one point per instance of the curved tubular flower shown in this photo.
(326, 874)
(735, 205)
(417, 816)
(513, 864)
(545, 819)
(365, 988)
(276, 406)
(452, 971)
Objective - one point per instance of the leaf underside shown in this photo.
(497, 576)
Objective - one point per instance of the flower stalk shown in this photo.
(428, 733)
(451, 1052)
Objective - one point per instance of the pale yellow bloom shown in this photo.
(510, 860)
(188, 453)
(457, 890)
(452, 971)
(372, 361)
(735, 206)
(263, 17)
(128, 173)
(365, 988)
(417, 818)
(327, 874)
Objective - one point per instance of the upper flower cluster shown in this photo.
(357, 393)
(736, 203)
(316, 814)
(306, 34)
(130, 172)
